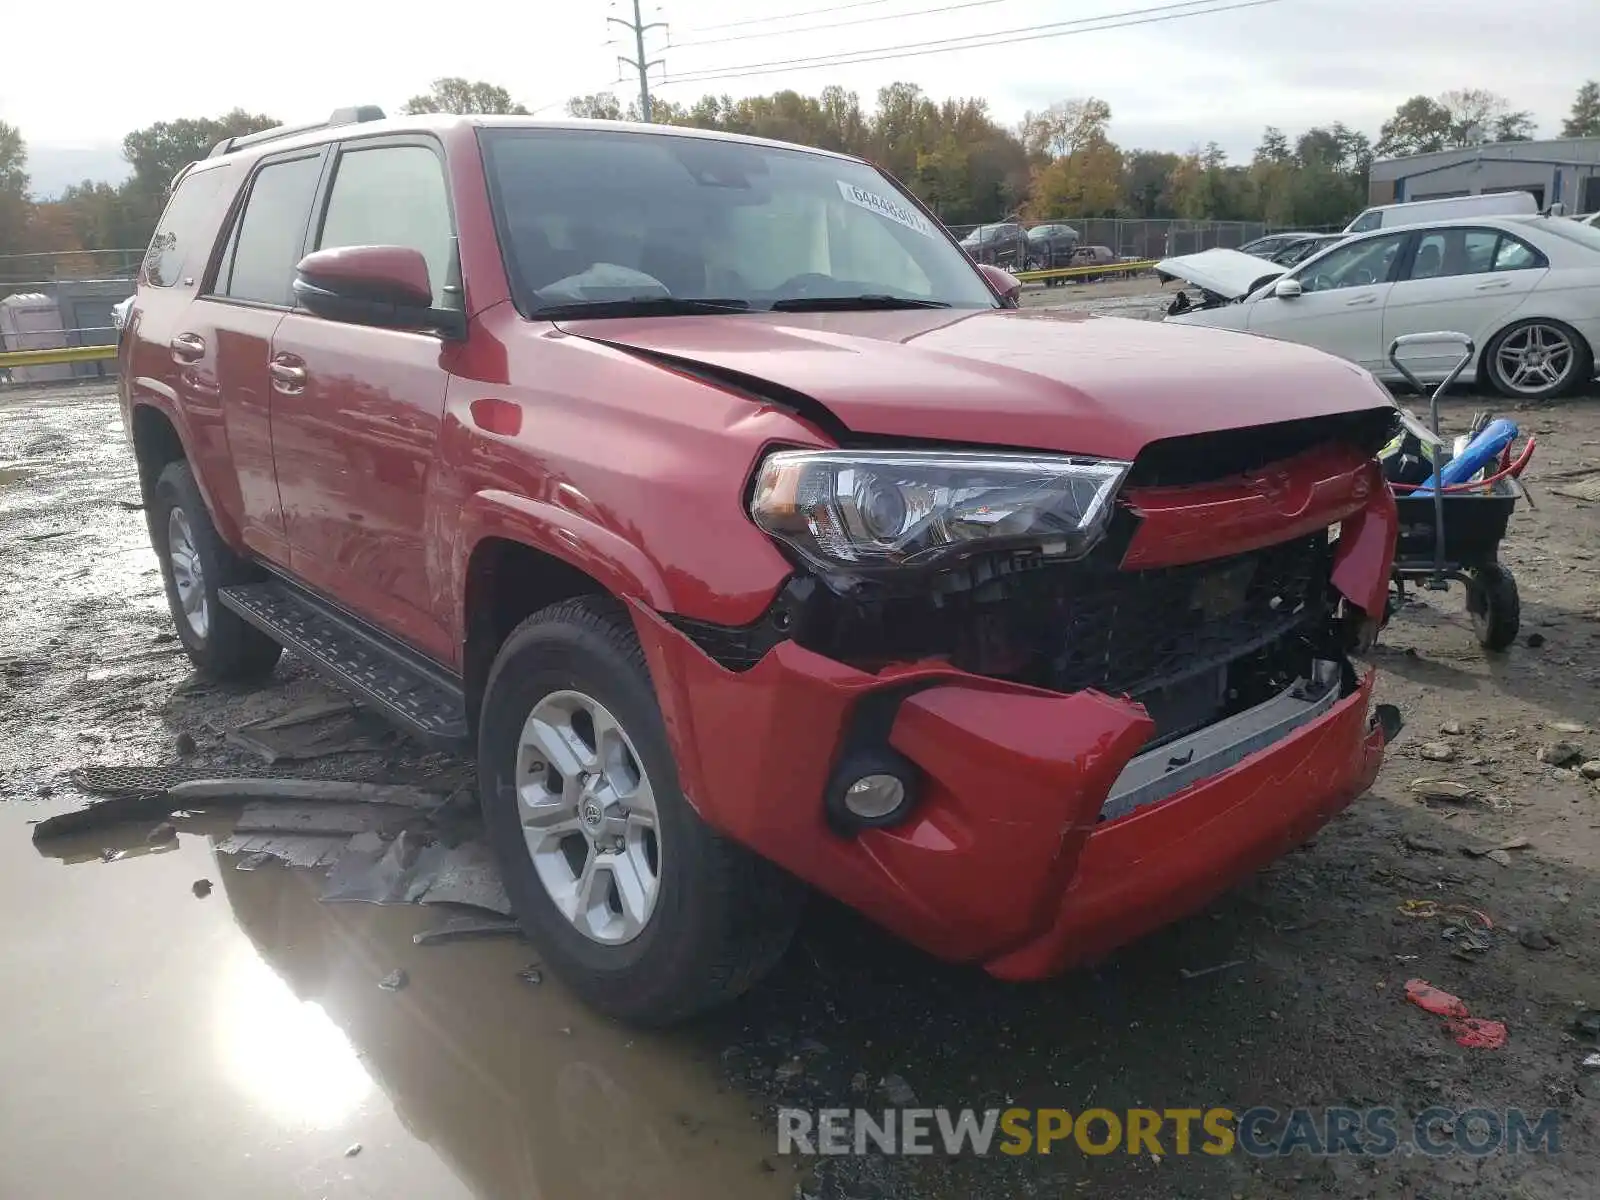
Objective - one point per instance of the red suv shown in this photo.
(753, 539)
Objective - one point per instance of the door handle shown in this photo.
(186, 347)
(1493, 285)
(1360, 300)
(286, 376)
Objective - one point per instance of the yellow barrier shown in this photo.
(1117, 268)
(49, 358)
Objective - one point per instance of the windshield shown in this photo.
(611, 217)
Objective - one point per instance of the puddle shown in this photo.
(239, 1045)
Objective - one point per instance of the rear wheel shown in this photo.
(1537, 360)
(195, 563)
(1495, 606)
(635, 902)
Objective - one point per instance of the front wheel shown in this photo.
(1537, 360)
(637, 904)
(1495, 606)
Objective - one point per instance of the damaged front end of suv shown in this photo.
(1021, 708)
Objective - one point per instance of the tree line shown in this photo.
(968, 167)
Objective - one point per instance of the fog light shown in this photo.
(871, 788)
(874, 796)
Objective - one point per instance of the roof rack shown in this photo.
(341, 116)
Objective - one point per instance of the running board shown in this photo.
(406, 688)
(1157, 774)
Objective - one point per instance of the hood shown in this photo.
(1228, 273)
(1023, 378)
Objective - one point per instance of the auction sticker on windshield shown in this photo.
(900, 214)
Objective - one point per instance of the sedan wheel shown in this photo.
(1536, 359)
(589, 817)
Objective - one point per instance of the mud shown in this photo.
(167, 1039)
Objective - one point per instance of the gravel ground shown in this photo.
(1311, 1013)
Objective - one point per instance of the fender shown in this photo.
(615, 563)
(151, 393)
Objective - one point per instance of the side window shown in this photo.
(271, 233)
(1367, 221)
(175, 242)
(1444, 253)
(392, 196)
(1513, 255)
(1356, 265)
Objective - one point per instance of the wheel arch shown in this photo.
(520, 555)
(156, 443)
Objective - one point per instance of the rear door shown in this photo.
(356, 410)
(1463, 279)
(228, 330)
(1340, 308)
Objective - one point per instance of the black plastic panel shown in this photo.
(412, 693)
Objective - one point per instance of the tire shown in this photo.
(706, 919)
(221, 644)
(1494, 606)
(1554, 344)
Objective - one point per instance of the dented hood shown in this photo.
(1022, 378)
(1228, 273)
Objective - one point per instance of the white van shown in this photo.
(1490, 204)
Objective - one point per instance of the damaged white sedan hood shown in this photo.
(1230, 274)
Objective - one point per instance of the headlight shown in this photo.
(885, 509)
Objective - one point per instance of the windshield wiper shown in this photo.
(641, 306)
(851, 303)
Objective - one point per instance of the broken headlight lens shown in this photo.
(888, 509)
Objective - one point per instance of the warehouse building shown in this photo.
(1565, 170)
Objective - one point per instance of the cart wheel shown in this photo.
(1494, 606)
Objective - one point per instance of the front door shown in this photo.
(1340, 307)
(356, 410)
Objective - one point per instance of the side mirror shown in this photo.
(1287, 289)
(1007, 285)
(386, 286)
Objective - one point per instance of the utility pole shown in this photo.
(639, 63)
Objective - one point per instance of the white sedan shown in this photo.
(1527, 290)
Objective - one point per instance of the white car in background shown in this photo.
(1525, 288)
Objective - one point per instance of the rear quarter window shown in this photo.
(187, 229)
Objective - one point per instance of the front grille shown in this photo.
(1134, 631)
(1206, 457)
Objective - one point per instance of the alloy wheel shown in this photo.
(589, 817)
(1535, 358)
(188, 577)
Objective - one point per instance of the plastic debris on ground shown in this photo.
(1475, 1033)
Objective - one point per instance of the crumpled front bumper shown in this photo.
(1005, 861)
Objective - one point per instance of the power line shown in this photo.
(810, 12)
(771, 33)
(944, 46)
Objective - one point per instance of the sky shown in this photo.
(1172, 84)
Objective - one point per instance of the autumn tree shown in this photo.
(1078, 169)
(1466, 117)
(1144, 182)
(1584, 119)
(453, 94)
(13, 190)
(1478, 116)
